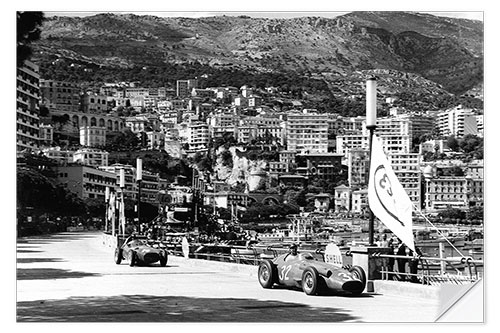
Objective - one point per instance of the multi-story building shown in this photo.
(420, 124)
(27, 101)
(359, 201)
(60, 96)
(130, 182)
(475, 169)
(91, 157)
(132, 92)
(184, 87)
(202, 93)
(395, 133)
(342, 198)
(457, 121)
(432, 146)
(150, 186)
(443, 192)
(155, 140)
(46, 134)
(92, 136)
(198, 135)
(307, 132)
(85, 181)
(406, 167)
(324, 166)
(357, 166)
(347, 142)
(94, 103)
(63, 157)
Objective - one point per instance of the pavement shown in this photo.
(71, 277)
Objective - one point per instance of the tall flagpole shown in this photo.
(371, 120)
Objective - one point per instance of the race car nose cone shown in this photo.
(151, 257)
(353, 286)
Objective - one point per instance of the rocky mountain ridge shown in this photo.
(442, 50)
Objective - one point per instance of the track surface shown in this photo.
(71, 277)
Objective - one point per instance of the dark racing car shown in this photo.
(138, 250)
(313, 275)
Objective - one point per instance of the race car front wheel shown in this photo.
(133, 258)
(163, 259)
(310, 281)
(267, 274)
(358, 273)
(118, 255)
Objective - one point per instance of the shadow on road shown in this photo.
(33, 260)
(49, 273)
(140, 308)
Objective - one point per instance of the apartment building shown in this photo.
(92, 136)
(46, 134)
(358, 166)
(198, 135)
(60, 96)
(63, 157)
(443, 192)
(94, 103)
(342, 198)
(406, 167)
(184, 87)
(91, 157)
(457, 121)
(85, 181)
(27, 102)
(307, 132)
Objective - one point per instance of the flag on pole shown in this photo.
(122, 214)
(111, 211)
(388, 200)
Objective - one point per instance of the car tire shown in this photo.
(267, 274)
(133, 258)
(163, 259)
(310, 281)
(359, 273)
(118, 255)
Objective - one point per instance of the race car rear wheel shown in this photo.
(118, 255)
(310, 281)
(267, 274)
(359, 273)
(163, 259)
(133, 258)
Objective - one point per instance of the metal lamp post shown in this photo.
(371, 120)
(138, 178)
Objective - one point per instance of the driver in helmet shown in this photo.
(292, 252)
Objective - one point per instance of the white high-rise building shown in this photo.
(307, 132)
(457, 122)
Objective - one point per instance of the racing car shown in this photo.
(313, 275)
(138, 250)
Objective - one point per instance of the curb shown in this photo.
(405, 289)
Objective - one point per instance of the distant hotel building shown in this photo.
(307, 132)
(28, 95)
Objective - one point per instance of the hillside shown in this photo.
(443, 50)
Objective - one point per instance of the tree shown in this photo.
(28, 31)
(452, 143)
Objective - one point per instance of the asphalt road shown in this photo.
(71, 277)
